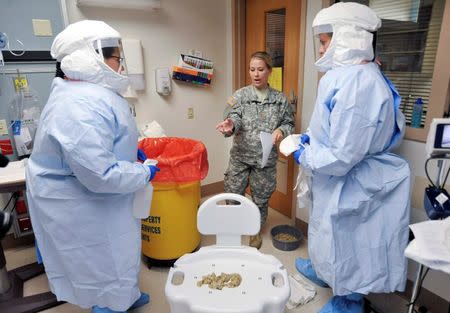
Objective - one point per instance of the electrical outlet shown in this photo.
(190, 113)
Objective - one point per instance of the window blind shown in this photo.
(420, 45)
(407, 43)
(275, 33)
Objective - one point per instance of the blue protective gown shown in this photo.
(81, 180)
(358, 227)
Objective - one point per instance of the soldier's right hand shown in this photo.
(226, 127)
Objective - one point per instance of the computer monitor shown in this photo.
(442, 139)
(438, 140)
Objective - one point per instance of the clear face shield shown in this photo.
(112, 48)
(322, 35)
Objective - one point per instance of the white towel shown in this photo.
(431, 246)
(290, 144)
(151, 130)
(301, 291)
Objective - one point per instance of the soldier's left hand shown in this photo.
(277, 135)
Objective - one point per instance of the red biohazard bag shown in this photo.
(179, 159)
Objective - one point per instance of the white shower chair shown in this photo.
(264, 287)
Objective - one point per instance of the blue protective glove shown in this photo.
(298, 153)
(304, 139)
(153, 170)
(141, 155)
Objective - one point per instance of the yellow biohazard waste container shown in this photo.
(171, 229)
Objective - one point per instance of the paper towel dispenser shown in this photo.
(134, 61)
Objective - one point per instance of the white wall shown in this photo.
(177, 27)
(414, 152)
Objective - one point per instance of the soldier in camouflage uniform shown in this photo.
(251, 110)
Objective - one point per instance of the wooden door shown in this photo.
(274, 26)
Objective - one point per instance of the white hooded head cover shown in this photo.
(351, 24)
(74, 48)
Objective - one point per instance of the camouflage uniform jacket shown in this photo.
(251, 116)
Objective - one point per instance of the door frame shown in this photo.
(239, 67)
(238, 39)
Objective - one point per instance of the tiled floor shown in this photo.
(153, 280)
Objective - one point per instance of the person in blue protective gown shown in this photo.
(358, 220)
(82, 175)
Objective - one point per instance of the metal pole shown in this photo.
(416, 288)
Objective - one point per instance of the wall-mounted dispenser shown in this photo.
(162, 80)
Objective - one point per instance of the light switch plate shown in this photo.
(42, 28)
(3, 128)
(190, 113)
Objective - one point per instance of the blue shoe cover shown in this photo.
(305, 268)
(143, 300)
(97, 309)
(352, 303)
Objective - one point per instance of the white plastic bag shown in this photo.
(143, 201)
(290, 144)
(143, 197)
(24, 113)
(304, 190)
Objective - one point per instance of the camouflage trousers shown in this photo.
(262, 183)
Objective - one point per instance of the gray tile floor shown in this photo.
(153, 280)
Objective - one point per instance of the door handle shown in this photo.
(293, 99)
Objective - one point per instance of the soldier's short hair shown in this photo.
(263, 55)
